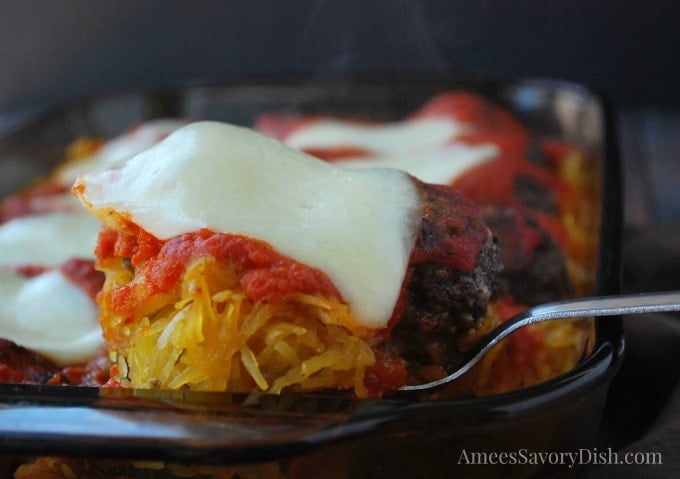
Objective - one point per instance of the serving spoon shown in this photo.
(567, 309)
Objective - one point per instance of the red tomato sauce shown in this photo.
(523, 344)
(95, 373)
(488, 122)
(10, 375)
(493, 183)
(338, 153)
(21, 365)
(265, 275)
(459, 243)
(39, 199)
(281, 127)
(83, 274)
(389, 373)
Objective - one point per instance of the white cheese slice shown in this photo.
(396, 136)
(425, 148)
(48, 239)
(128, 144)
(357, 226)
(50, 315)
(442, 165)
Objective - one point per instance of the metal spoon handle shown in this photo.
(605, 306)
(567, 309)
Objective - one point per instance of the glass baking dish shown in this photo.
(306, 435)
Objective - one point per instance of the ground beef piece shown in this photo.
(451, 278)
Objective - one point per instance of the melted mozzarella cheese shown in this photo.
(424, 148)
(50, 315)
(48, 239)
(398, 136)
(128, 144)
(357, 226)
(442, 165)
(47, 313)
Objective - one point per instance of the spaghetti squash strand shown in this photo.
(209, 335)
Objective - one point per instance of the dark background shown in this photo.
(50, 50)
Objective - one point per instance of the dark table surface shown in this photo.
(643, 410)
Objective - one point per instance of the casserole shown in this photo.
(400, 436)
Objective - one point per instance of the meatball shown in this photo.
(535, 267)
(451, 278)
